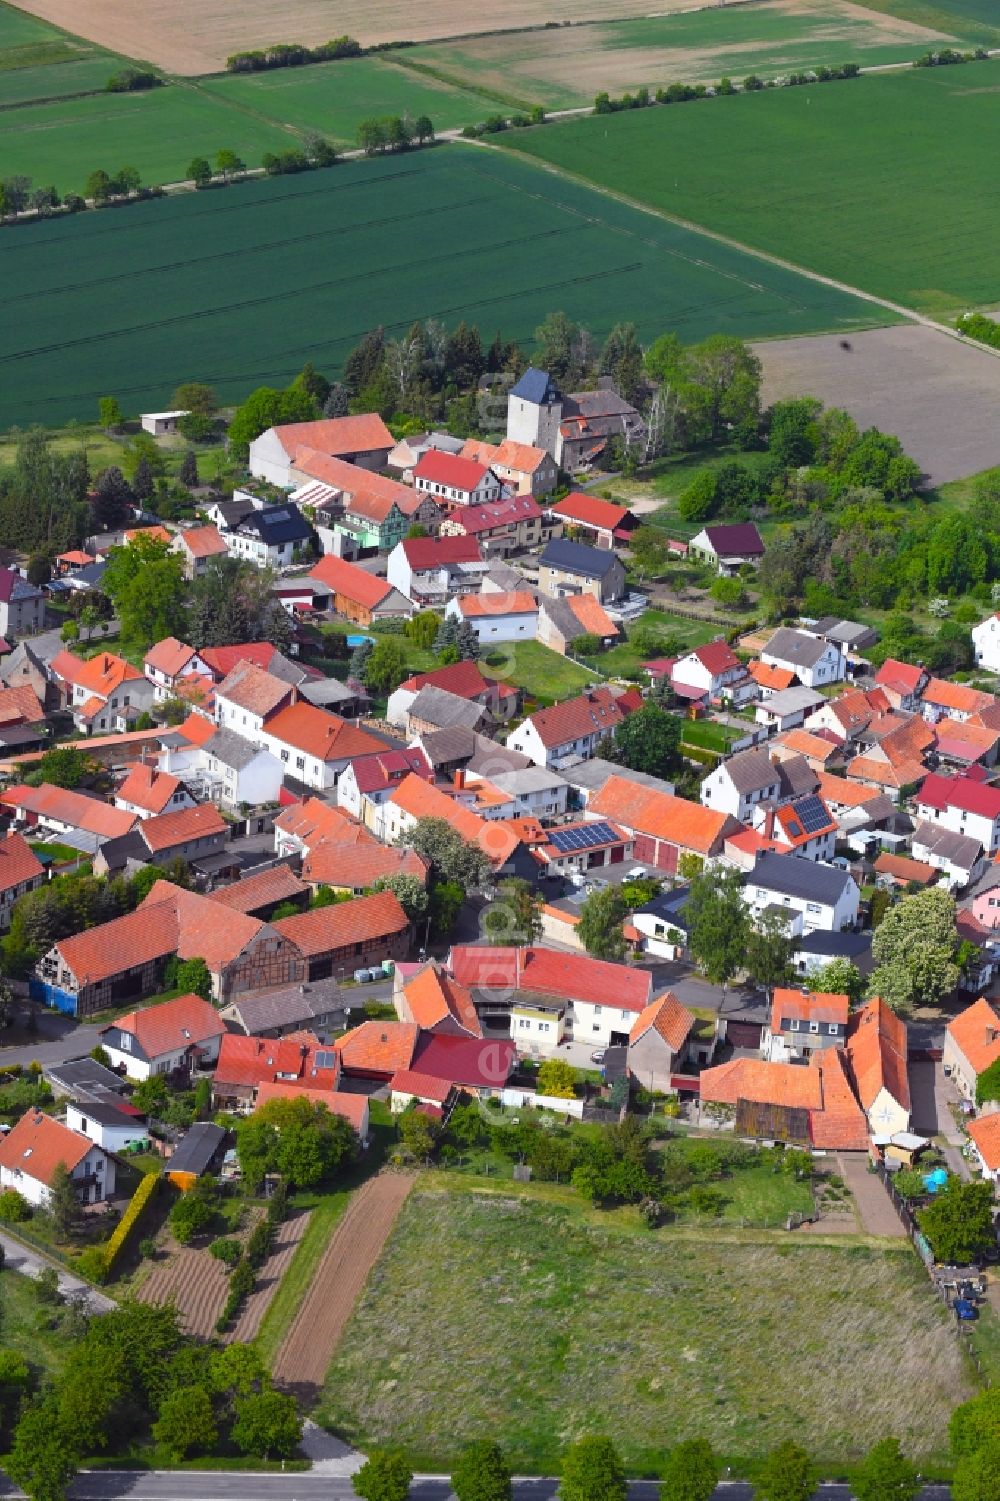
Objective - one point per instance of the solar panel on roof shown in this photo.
(812, 814)
(326, 1060)
(793, 828)
(586, 837)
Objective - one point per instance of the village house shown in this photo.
(270, 537)
(298, 828)
(812, 895)
(892, 753)
(715, 670)
(877, 1060)
(349, 935)
(500, 527)
(103, 694)
(23, 725)
(803, 826)
(147, 792)
(87, 820)
(176, 1036)
(803, 1021)
(247, 1065)
(37, 1145)
(358, 595)
(848, 716)
(24, 668)
(971, 1045)
(366, 512)
(663, 827)
(227, 769)
(168, 662)
(362, 440)
(534, 791)
(454, 481)
(197, 546)
(985, 642)
(737, 785)
(434, 708)
(159, 424)
(958, 856)
(815, 663)
(602, 523)
(900, 871)
(353, 869)
(902, 683)
(428, 571)
(407, 452)
(497, 617)
(574, 728)
(108, 1120)
(21, 871)
(787, 709)
(376, 1050)
(964, 804)
(522, 468)
(810, 1107)
(665, 1037)
(248, 696)
(984, 1134)
(943, 699)
(661, 925)
(415, 798)
(573, 568)
(464, 679)
(367, 781)
(22, 606)
(262, 893)
(769, 679)
(313, 746)
(562, 622)
(728, 548)
(851, 636)
(319, 1007)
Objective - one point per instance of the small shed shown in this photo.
(160, 423)
(199, 1150)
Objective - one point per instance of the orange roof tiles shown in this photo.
(812, 1006)
(871, 769)
(421, 799)
(151, 533)
(74, 809)
(421, 1086)
(252, 688)
(900, 677)
(957, 696)
(197, 729)
(314, 820)
(511, 602)
(591, 511)
(334, 863)
(378, 1047)
(202, 541)
(433, 998)
(318, 733)
(804, 743)
(667, 1017)
(38, 1144)
(173, 1025)
(169, 656)
(20, 705)
(644, 810)
(785, 1084)
(902, 868)
(976, 1030)
(876, 1051)
(105, 673)
(364, 919)
(148, 788)
(263, 890)
(840, 1125)
(592, 615)
(985, 1132)
(124, 943)
(350, 581)
(575, 717)
(551, 972)
(167, 830)
(18, 862)
(839, 792)
(364, 432)
(365, 493)
(767, 676)
(199, 933)
(67, 666)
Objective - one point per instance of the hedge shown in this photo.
(142, 1196)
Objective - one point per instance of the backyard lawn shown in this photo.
(43, 1348)
(534, 1316)
(542, 673)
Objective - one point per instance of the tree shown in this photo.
(113, 499)
(785, 1475)
(417, 1133)
(200, 171)
(63, 766)
(423, 130)
(194, 977)
(188, 472)
(42, 1460)
(958, 1222)
(384, 1476)
(338, 401)
(915, 949)
(975, 1423)
(621, 359)
(145, 582)
(142, 479)
(109, 414)
(228, 164)
(297, 1138)
(267, 1425)
(127, 181)
(601, 918)
(186, 1424)
(98, 186)
(840, 977)
(451, 857)
(793, 431)
(976, 1477)
(691, 1472)
(467, 641)
(718, 924)
(515, 914)
(410, 892)
(386, 667)
(372, 137)
(592, 1470)
(446, 900)
(556, 1077)
(769, 950)
(192, 1214)
(562, 348)
(717, 383)
(649, 741)
(264, 408)
(422, 629)
(648, 547)
(482, 1473)
(63, 1205)
(885, 1474)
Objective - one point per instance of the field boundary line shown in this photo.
(910, 314)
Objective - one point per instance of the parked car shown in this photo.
(597, 1056)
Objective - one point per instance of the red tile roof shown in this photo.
(363, 433)
(199, 933)
(365, 494)
(812, 1006)
(202, 541)
(321, 734)
(716, 657)
(252, 1061)
(426, 553)
(74, 809)
(465, 1061)
(124, 943)
(741, 537)
(172, 1026)
(222, 659)
(105, 673)
(668, 1018)
(21, 705)
(497, 513)
(251, 688)
(902, 678)
(958, 696)
(976, 1030)
(147, 787)
(576, 717)
(314, 820)
(381, 1048)
(435, 999)
(18, 862)
(353, 867)
(876, 1052)
(985, 1132)
(38, 1144)
(514, 602)
(167, 830)
(350, 1107)
(841, 1124)
(588, 510)
(962, 792)
(771, 677)
(421, 1086)
(197, 729)
(383, 769)
(902, 868)
(421, 799)
(592, 615)
(552, 972)
(66, 665)
(364, 919)
(449, 469)
(350, 581)
(643, 810)
(250, 893)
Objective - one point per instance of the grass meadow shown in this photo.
(37, 61)
(240, 286)
(553, 1321)
(909, 221)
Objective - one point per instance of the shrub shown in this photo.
(226, 1249)
(14, 1207)
(259, 1244)
(142, 1196)
(93, 1264)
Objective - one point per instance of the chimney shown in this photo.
(459, 779)
(768, 829)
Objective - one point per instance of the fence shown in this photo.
(518, 1098)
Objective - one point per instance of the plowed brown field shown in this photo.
(248, 1324)
(302, 1362)
(196, 1282)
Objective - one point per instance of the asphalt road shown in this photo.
(205, 1485)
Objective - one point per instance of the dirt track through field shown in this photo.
(286, 1243)
(304, 1358)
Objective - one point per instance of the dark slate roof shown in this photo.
(792, 876)
(14, 588)
(77, 1075)
(834, 945)
(536, 386)
(796, 777)
(736, 538)
(232, 749)
(668, 906)
(91, 575)
(277, 524)
(196, 1148)
(293, 1006)
(577, 557)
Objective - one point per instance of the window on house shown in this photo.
(793, 1025)
(812, 906)
(814, 1026)
(126, 1043)
(284, 755)
(832, 1029)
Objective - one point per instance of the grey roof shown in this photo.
(196, 1148)
(796, 777)
(834, 945)
(76, 1076)
(578, 558)
(668, 906)
(536, 386)
(752, 771)
(289, 1007)
(275, 525)
(592, 774)
(850, 634)
(795, 647)
(562, 617)
(326, 691)
(90, 576)
(289, 672)
(527, 779)
(23, 653)
(107, 1110)
(604, 402)
(506, 578)
(489, 759)
(231, 749)
(791, 701)
(791, 876)
(960, 849)
(439, 707)
(232, 512)
(458, 743)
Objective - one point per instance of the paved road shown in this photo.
(19, 1258)
(217, 1485)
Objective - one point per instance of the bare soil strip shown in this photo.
(355, 1246)
(290, 1232)
(196, 1282)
